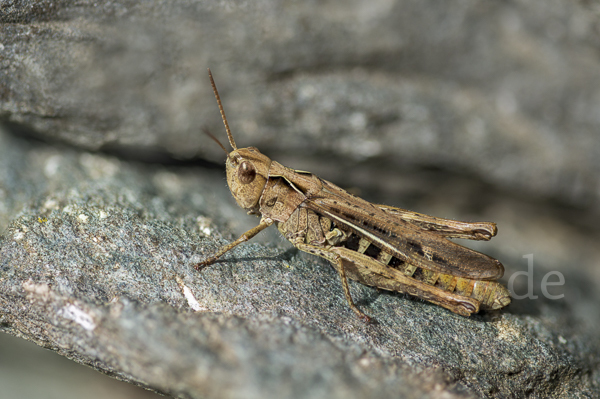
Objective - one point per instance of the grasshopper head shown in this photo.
(247, 174)
(247, 169)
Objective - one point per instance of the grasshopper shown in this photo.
(376, 245)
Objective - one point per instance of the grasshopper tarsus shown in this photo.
(367, 319)
(202, 265)
(207, 262)
(361, 315)
(377, 245)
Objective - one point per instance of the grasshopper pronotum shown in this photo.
(377, 245)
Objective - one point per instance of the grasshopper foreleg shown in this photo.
(264, 223)
(339, 265)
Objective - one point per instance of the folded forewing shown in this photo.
(446, 227)
(401, 238)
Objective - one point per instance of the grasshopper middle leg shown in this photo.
(338, 262)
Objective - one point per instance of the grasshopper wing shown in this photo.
(403, 239)
(445, 227)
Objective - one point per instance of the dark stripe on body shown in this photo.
(373, 251)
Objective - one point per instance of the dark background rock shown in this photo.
(507, 91)
(469, 110)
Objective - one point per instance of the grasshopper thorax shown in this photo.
(247, 174)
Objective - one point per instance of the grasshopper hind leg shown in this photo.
(338, 263)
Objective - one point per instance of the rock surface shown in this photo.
(465, 110)
(97, 266)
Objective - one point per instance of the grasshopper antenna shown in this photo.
(231, 141)
(212, 136)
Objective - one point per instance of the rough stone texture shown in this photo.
(30, 371)
(97, 266)
(471, 110)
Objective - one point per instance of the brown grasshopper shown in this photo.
(377, 245)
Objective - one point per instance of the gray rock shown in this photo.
(505, 91)
(474, 111)
(97, 266)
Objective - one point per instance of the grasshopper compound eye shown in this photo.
(246, 173)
